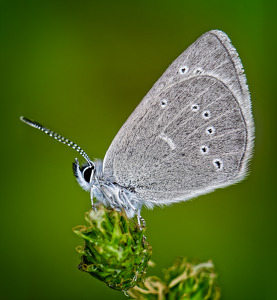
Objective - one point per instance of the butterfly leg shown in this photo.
(113, 198)
(109, 196)
(141, 221)
(91, 199)
(126, 199)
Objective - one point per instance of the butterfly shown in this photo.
(192, 133)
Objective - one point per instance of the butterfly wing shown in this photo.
(193, 132)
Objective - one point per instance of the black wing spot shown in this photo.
(195, 107)
(218, 163)
(183, 70)
(206, 114)
(204, 149)
(210, 130)
(163, 103)
(198, 71)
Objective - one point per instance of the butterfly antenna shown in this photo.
(58, 137)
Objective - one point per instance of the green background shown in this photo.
(80, 68)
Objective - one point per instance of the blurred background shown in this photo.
(80, 68)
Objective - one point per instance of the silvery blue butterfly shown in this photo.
(192, 133)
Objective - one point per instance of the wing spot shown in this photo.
(163, 103)
(195, 107)
(210, 130)
(168, 140)
(206, 114)
(218, 163)
(204, 149)
(183, 70)
(198, 71)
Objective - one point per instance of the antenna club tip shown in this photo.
(25, 120)
(30, 122)
(22, 118)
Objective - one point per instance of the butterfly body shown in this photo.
(106, 190)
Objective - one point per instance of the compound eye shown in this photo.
(87, 173)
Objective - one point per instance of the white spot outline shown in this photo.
(198, 71)
(206, 112)
(215, 164)
(183, 69)
(208, 128)
(207, 149)
(163, 103)
(197, 107)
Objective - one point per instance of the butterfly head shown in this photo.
(85, 174)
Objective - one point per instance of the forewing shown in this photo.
(192, 132)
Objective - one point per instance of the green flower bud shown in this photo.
(184, 280)
(115, 249)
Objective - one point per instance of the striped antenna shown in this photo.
(58, 137)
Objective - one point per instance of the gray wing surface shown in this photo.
(193, 132)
